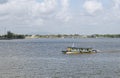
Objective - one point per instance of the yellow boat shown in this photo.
(75, 50)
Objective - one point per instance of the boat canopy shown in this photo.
(78, 48)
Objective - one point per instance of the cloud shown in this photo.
(31, 11)
(92, 6)
(27, 11)
(64, 13)
(116, 4)
(33, 14)
(65, 4)
(3, 1)
(113, 12)
(44, 7)
(44, 14)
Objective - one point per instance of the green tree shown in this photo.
(10, 35)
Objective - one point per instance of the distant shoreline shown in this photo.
(11, 35)
(74, 36)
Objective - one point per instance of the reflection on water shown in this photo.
(42, 58)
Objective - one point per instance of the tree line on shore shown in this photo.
(77, 36)
(104, 36)
(11, 35)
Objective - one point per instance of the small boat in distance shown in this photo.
(75, 50)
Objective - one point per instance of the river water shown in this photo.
(42, 58)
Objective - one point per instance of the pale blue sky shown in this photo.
(60, 16)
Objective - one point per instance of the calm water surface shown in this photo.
(42, 58)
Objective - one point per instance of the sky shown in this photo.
(60, 16)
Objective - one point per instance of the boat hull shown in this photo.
(67, 52)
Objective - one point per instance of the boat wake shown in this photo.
(110, 51)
